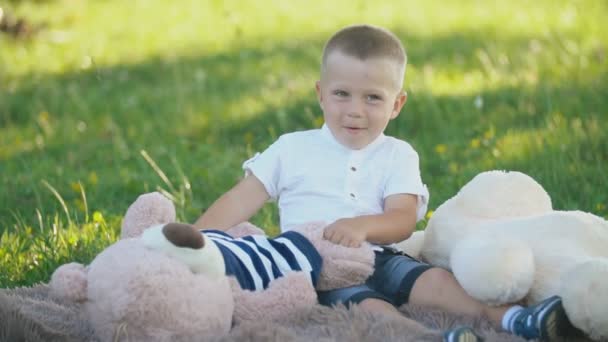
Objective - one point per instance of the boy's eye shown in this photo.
(340, 93)
(374, 97)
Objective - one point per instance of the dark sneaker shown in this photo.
(546, 320)
(461, 334)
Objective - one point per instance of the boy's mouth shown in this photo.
(353, 129)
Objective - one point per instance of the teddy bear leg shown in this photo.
(584, 292)
(148, 210)
(495, 272)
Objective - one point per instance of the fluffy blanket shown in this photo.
(29, 314)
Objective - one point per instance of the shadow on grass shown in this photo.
(218, 79)
(177, 110)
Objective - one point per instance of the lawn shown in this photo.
(111, 99)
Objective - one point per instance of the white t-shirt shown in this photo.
(315, 178)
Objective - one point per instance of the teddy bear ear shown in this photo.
(148, 210)
(69, 282)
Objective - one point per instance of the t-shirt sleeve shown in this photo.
(404, 178)
(266, 167)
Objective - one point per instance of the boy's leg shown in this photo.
(358, 294)
(438, 288)
(380, 306)
(365, 295)
(458, 334)
(393, 279)
(546, 320)
(362, 295)
(372, 301)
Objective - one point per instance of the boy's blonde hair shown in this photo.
(367, 41)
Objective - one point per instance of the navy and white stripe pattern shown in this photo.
(256, 260)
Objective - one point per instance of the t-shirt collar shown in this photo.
(326, 132)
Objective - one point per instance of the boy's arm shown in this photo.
(235, 206)
(396, 223)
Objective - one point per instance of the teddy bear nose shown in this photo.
(183, 235)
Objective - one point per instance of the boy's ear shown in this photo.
(399, 102)
(319, 96)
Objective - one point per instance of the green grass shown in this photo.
(201, 85)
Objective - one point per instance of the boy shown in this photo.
(367, 186)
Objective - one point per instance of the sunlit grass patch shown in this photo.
(29, 254)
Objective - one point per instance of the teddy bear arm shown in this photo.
(340, 273)
(343, 266)
(284, 295)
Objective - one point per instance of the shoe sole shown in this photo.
(556, 323)
(462, 335)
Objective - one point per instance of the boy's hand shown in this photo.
(343, 232)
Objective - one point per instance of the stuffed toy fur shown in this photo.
(164, 281)
(504, 243)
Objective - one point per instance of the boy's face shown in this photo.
(359, 97)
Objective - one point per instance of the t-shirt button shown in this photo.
(352, 195)
(353, 168)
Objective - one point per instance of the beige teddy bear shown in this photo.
(165, 281)
(505, 243)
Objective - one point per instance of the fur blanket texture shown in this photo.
(29, 314)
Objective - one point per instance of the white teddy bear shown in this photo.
(504, 243)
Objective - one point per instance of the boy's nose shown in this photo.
(355, 109)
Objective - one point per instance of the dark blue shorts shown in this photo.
(394, 276)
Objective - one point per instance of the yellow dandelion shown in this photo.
(454, 167)
(72, 240)
(93, 178)
(75, 186)
(475, 143)
(98, 217)
(429, 214)
(489, 134)
(43, 116)
(441, 148)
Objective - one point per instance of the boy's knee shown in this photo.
(376, 305)
(435, 280)
(370, 302)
